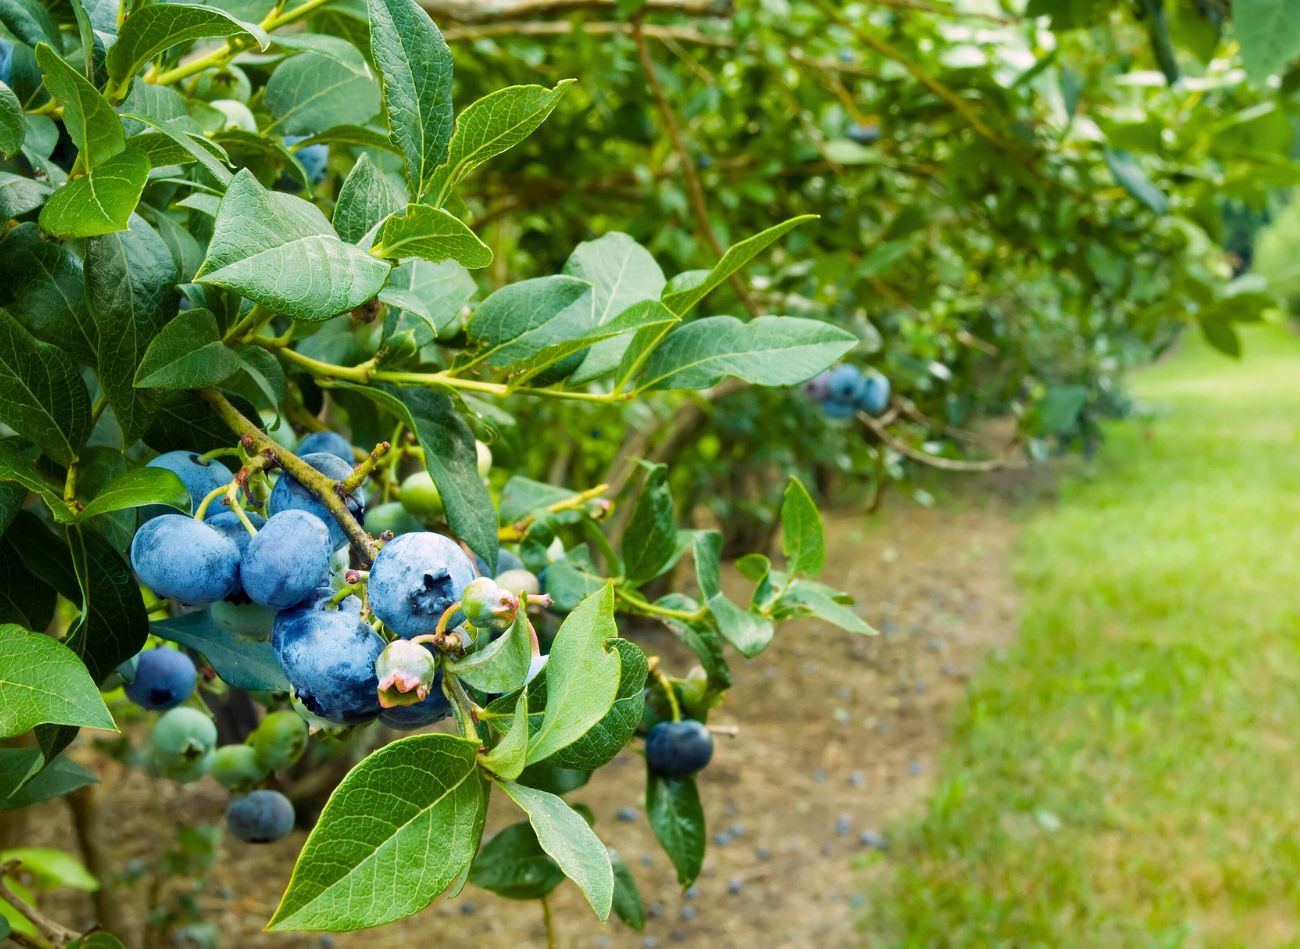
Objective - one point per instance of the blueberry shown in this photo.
(391, 516)
(735, 885)
(313, 159)
(627, 814)
(228, 524)
(182, 742)
(864, 133)
(408, 673)
(236, 768)
(279, 740)
(433, 709)
(843, 824)
(818, 387)
(200, 478)
(482, 459)
(721, 838)
(228, 82)
(520, 581)
(290, 495)
(875, 393)
(487, 605)
(421, 497)
(678, 748)
(506, 560)
(329, 657)
(762, 853)
(736, 829)
(837, 409)
(6, 61)
(287, 559)
(873, 839)
(692, 892)
(164, 678)
(687, 913)
(329, 442)
(261, 817)
(844, 383)
(184, 560)
(415, 578)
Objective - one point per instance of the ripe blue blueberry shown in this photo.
(200, 478)
(678, 748)
(406, 672)
(6, 61)
(415, 578)
(164, 678)
(845, 383)
(185, 560)
(864, 133)
(836, 409)
(331, 442)
(279, 740)
(290, 495)
(434, 708)
(875, 393)
(182, 743)
(287, 559)
(313, 158)
(260, 817)
(236, 768)
(329, 658)
(228, 524)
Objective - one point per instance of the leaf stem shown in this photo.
(320, 485)
(549, 921)
(639, 603)
(666, 684)
(519, 528)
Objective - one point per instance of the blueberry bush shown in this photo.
(354, 389)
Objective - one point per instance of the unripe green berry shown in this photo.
(236, 768)
(279, 740)
(420, 496)
(182, 738)
(484, 458)
(487, 605)
(406, 672)
(519, 581)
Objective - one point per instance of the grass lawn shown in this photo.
(1127, 774)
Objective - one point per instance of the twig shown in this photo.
(491, 11)
(694, 190)
(934, 461)
(320, 485)
(363, 470)
(58, 935)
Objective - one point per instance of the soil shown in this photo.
(837, 736)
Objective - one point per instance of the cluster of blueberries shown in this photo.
(285, 575)
(846, 390)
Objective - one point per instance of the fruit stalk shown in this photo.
(321, 486)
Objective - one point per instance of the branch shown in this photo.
(492, 11)
(679, 34)
(57, 934)
(934, 461)
(320, 485)
(694, 189)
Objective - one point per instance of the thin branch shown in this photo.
(492, 11)
(56, 933)
(933, 461)
(694, 190)
(320, 485)
(664, 34)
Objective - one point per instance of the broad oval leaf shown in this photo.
(502, 664)
(42, 395)
(151, 29)
(405, 822)
(514, 865)
(431, 234)
(677, 819)
(243, 660)
(137, 488)
(102, 201)
(42, 681)
(12, 125)
(187, 353)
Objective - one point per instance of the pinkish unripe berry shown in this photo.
(406, 672)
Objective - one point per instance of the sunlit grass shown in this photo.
(1127, 774)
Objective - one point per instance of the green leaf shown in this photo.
(17, 468)
(366, 198)
(815, 599)
(604, 740)
(102, 201)
(52, 868)
(279, 251)
(59, 777)
(25, 599)
(768, 351)
(137, 488)
(186, 354)
(1266, 31)
(42, 396)
(240, 658)
(47, 282)
(426, 298)
(326, 85)
(571, 580)
(524, 496)
(677, 819)
(570, 842)
(700, 638)
(508, 757)
(648, 316)
(17, 767)
(680, 300)
(748, 632)
(523, 318)
(90, 121)
(416, 66)
(19, 195)
(1134, 180)
(12, 126)
(97, 940)
(188, 143)
(801, 531)
(514, 865)
(113, 624)
(150, 30)
(450, 458)
(582, 676)
(628, 905)
(650, 543)
(131, 288)
(42, 681)
(431, 234)
(489, 126)
(29, 21)
(404, 822)
(502, 664)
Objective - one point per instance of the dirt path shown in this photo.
(838, 736)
